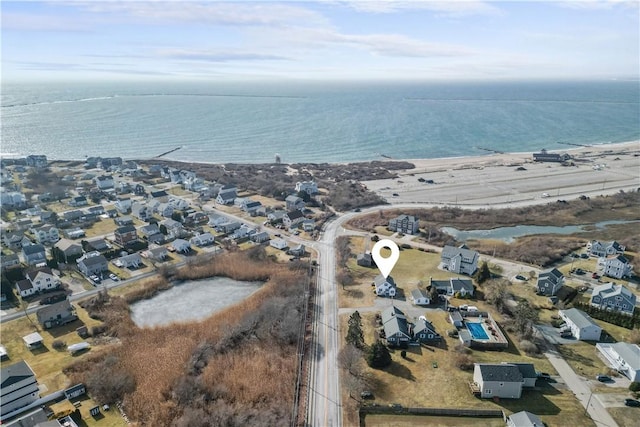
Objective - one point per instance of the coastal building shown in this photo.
(423, 331)
(545, 156)
(407, 224)
(125, 235)
(616, 266)
(612, 297)
(309, 187)
(581, 325)
(524, 419)
(57, 314)
(384, 287)
(453, 286)
(34, 254)
(294, 203)
(37, 161)
(46, 234)
(549, 282)
(420, 297)
(460, 260)
(105, 182)
(365, 259)
(293, 218)
(396, 327)
(68, 250)
(43, 279)
(93, 265)
(599, 249)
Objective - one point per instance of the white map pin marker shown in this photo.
(385, 265)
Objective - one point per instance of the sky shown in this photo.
(320, 40)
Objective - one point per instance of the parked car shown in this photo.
(595, 276)
(366, 395)
(113, 277)
(603, 378)
(632, 402)
(545, 195)
(543, 375)
(521, 277)
(584, 256)
(395, 194)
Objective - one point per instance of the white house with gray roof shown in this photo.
(582, 326)
(623, 357)
(460, 260)
(616, 266)
(384, 286)
(524, 419)
(599, 249)
(503, 380)
(453, 286)
(396, 327)
(610, 296)
(407, 224)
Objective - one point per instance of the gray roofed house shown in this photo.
(528, 371)
(524, 419)
(616, 266)
(420, 297)
(57, 314)
(130, 261)
(99, 245)
(425, 332)
(502, 380)
(293, 218)
(622, 357)
(407, 224)
(459, 260)
(294, 202)
(364, 259)
(260, 237)
(93, 265)
(598, 249)
(70, 249)
(549, 282)
(582, 326)
(34, 254)
(610, 296)
(453, 286)
(395, 326)
(226, 197)
(456, 319)
(9, 260)
(18, 385)
(384, 286)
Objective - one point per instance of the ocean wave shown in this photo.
(565, 101)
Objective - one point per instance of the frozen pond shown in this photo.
(191, 301)
(508, 234)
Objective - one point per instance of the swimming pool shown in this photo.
(477, 331)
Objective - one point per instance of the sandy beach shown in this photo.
(514, 178)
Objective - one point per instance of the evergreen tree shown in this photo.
(483, 274)
(378, 356)
(355, 335)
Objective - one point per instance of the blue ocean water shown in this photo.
(312, 122)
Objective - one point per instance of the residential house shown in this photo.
(297, 251)
(425, 332)
(129, 261)
(57, 314)
(34, 254)
(173, 227)
(9, 261)
(12, 239)
(529, 374)
(141, 211)
(19, 387)
(622, 357)
(165, 210)
(194, 184)
(125, 235)
(278, 244)
(610, 296)
(599, 249)
(456, 318)
(453, 286)
(460, 260)
(73, 216)
(308, 225)
(123, 220)
(545, 156)
(123, 204)
(396, 327)
(48, 217)
(25, 288)
(204, 239)
(181, 245)
(294, 203)
(309, 187)
(275, 216)
(420, 297)
(196, 218)
(111, 213)
(78, 201)
(384, 286)
(260, 237)
(502, 380)
(74, 233)
(46, 234)
(549, 282)
(365, 259)
(243, 232)
(105, 182)
(616, 266)
(226, 197)
(98, 245)
(96, 210)
(229, 227)
(407, 224)
(42, 279)
(251, 206)
(93, 265)
(292, 218)
(110, 163)
(69, 250)
(582, 326)
(524, 419)
(149, 230)
(37, 161)
(158, 254)
(13, 199)
(178, 203)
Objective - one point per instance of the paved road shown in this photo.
(581, 388)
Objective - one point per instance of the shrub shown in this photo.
(403, 354)
(460, 348)
(634, 386)
(378, 355)
(464, 362)
(528, 347)
(59, 345)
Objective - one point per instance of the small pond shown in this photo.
(508, 234)
(191, 301)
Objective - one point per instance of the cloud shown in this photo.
(38, 22)
(218, 56)
(450, 8)
(599, 4)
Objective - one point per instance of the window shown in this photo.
(501, 384)
(487, 391)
